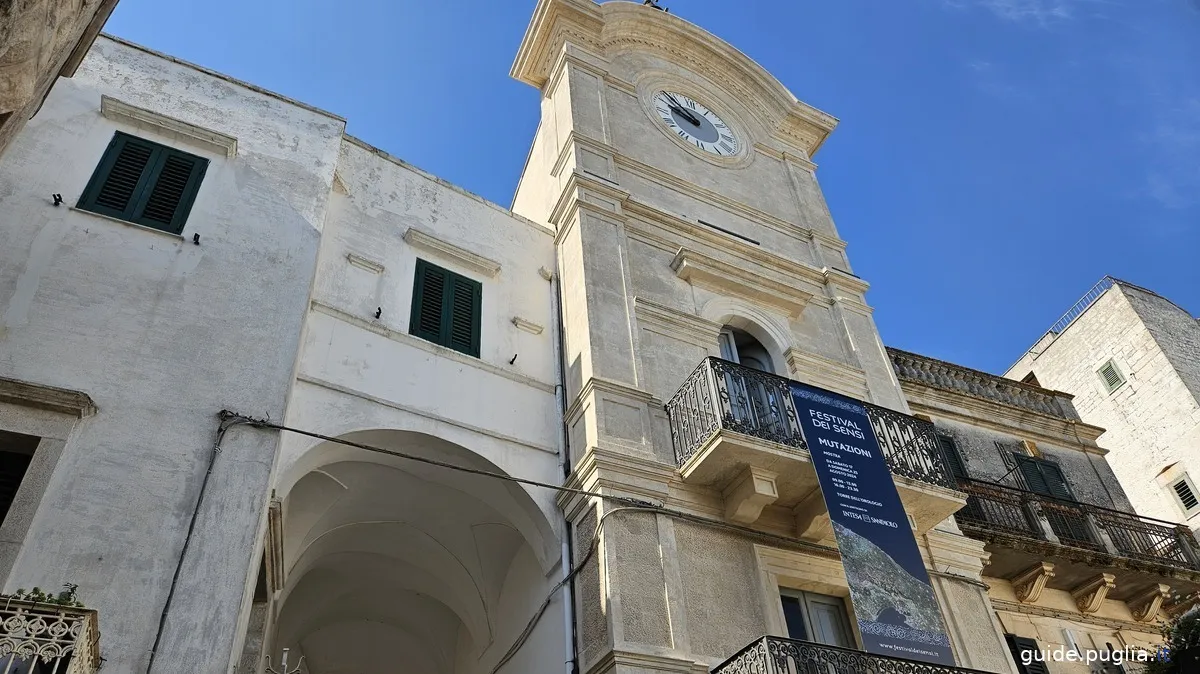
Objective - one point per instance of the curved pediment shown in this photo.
(614, 28)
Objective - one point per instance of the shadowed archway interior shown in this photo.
(394, 565)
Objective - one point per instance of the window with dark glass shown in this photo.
(16, 452)
(446, 308)
(816, 617)
(145, 183)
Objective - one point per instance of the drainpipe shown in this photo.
(564, 464)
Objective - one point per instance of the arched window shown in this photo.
(741, 347)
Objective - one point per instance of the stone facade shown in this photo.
(362, 508)
(1152, 417)
(41, 41)
(661, 248)
(1068, 572)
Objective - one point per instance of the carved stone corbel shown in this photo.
(746, 497)
(1090, 596)
(812, 518)
(1179, 605)
(1145, 606)
(1028, 584)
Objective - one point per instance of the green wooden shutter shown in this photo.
(1056, 481)
(1020, 645)
(120, 178)
(429, 300)
(173, 186)
(1031, 473)
(145, 183)
(954, 459)
(465, 303)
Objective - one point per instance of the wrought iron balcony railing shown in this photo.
(774, 655)
(720, 395)
(996, 507)
(48, 638)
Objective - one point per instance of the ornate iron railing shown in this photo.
(996, 507)
(47, 638)
(720, 395)
(775, 655)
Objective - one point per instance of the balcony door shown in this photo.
(816, 617)
(1067, 520)
(753, 403)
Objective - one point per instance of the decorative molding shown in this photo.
(50, 398)
(273, 550)
(1089, 597)
(1028, 585)
(706, 271)
(436, 349)
(213, 141)
(1145, 606)
(1002, 605)
(675, 323)
(364, 263)
(937, 402)
(827, 373)
(1179, 606)
(430, 243)
(528, 326)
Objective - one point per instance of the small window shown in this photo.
(16, 452)
(816, 617)
(145, 183)
(446, 308)
(1186, 495)
(1111, 376)
(954, 458)
(1027, 655)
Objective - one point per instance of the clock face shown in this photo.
(696, 124)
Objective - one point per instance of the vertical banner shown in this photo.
(893, 600)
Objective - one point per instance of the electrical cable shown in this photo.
(228, 420)
(626, 504)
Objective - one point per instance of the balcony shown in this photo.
(1025, 528)
(735, 429)
(61, 639)
(774, 655)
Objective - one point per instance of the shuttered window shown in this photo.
(1186, 495)
(954, 459)
(145, 183)
(1026, 650)
(1043, 477)
(446, 308)
(1111, 376)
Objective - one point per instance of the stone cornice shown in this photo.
(463, 257)
(704, 270)
(1090, 558)
(50, 398)
(1045, 611)
(937, 402)
(692, 328)
(690, 189)
(169, 127)
(617, 27)
(953, 377)
(595, 384)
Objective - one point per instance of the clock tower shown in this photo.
(679, 177)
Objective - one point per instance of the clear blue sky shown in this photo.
(995, 158)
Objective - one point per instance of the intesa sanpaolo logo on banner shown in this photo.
(893, 600)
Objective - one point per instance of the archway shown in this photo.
(394, 565)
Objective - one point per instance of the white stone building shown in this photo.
(1131, 358)
(414, 374)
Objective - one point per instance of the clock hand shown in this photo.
(695, 121)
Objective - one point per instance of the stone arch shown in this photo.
(769, 330)
(381, 551)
